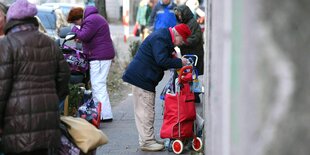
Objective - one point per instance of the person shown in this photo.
(146, 70)
(34, 77)
(143, 14)
(120, 3)
(94, 33)
(3, 10)
(162, 15)
(195, 41)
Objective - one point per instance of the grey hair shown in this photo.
(175, 32)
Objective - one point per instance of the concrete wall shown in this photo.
(113, 11)
(258, 99)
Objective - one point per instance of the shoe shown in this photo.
(153, 147)
(106, 120)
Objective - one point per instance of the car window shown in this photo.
(65, 10)
(48, 19)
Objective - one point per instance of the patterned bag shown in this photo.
(77, 61)
(90, 111)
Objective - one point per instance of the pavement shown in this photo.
(122, 131)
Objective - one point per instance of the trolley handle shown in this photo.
(193, 59)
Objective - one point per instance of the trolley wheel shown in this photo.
(197, 144)
(177, 147)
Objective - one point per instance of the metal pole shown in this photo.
(126, 19)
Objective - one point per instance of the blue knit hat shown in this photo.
(21, 9)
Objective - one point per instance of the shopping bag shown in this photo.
(196, 86)
(67, 147)
(179, 115)
(90, 110)
(170, 86)
(136, 30)
(86, 136)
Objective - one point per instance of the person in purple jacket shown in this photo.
(93, 31)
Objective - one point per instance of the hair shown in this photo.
(75, 13)
(175, 32)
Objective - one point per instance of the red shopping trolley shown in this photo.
(180, 113)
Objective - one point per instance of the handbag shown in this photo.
(136, 30)
(86, 136)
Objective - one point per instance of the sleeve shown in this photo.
(87, 31)
(138, 15)
(63, 76)
(163, 55)
(6, 77)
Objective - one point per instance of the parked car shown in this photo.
(52, 19)
(64, 7)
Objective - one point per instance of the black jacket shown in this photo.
(34, 76)
(195, 41)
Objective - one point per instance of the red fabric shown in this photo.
(171, 34)
(183, 30)
(136, 30)
(184, 117)
(96, 122)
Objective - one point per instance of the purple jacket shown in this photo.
(95, 36)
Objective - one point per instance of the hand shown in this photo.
(77, 40)
(184, 61)
(174, 54)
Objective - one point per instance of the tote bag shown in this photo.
(86, 136)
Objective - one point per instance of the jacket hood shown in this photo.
(12, 23)
(90, 10)
(186, 13)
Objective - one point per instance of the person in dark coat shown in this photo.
(94, 33)
(146, 70)
(195, 41)
(34, 77)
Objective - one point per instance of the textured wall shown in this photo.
(289, 27)
(259, 68)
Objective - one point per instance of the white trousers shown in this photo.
(99, 70)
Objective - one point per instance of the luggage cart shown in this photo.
(180, 113)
